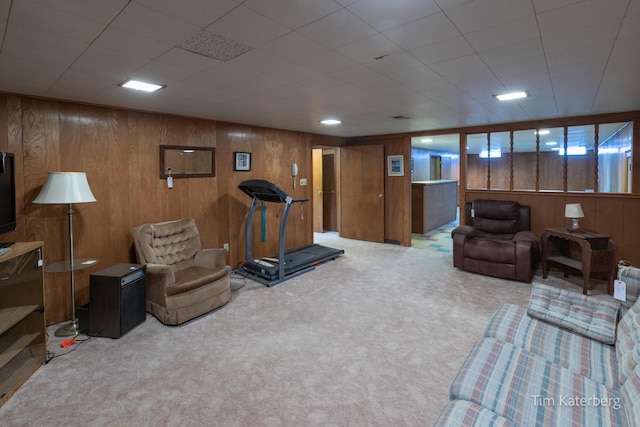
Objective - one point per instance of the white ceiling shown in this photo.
(435, 62)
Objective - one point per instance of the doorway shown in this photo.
(325, 189)
(329, 202)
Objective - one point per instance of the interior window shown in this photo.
(551, 176)
(499, 159)
(477, 160)
(615, 157)
(580, 154)
(524, 160)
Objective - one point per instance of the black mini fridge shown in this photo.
(117, 299)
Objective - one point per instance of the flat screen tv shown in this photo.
(7, 194)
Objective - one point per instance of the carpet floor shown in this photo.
(373, 338)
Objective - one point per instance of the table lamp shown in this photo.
(574, 212)
(67, 188)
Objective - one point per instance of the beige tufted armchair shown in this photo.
(184, 281)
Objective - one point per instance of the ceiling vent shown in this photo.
(214, 46)
(400, 117)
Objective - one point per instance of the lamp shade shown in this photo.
(573, 210)
(65, 187)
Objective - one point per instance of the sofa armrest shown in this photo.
(211, 258)
(593, 318)
(159, 277)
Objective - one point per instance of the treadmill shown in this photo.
(285, 264)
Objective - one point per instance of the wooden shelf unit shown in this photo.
(22, 325)
(589, 253)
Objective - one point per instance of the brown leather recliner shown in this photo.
(496, 240)
(184, 280)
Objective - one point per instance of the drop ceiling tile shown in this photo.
(355, 74)
(417, 78)
(272, 65)
(77, 85)
(525, 51)
(338, 29)
(293, 13)
(112, 66)
(443, 51)
(630, 29)
(481, 14)
(23, 41)
(29, 70)
(547, 5)
(462, 64)
(505, 34)
(123, 41)
(47, 20)
(4, 18)
(295, 47)
(369, 48)
(162, 73)
(394, 63)
(191, 62)
(425, 31)
(94, 10)
(566, 41)
(246, 26)
(448, 4)
(213, 78)
(141, 20)
(197, 12)
(328, 62)
(589, 13)
(384, 15)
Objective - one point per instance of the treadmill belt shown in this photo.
(295, 260)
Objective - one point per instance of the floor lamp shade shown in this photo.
(67, 188)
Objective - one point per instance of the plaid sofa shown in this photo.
(566, 360)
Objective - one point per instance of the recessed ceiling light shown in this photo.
(512, 95)
(426, 140)
(542, 132)
(331, 122)
(551, 143)
(143, 86)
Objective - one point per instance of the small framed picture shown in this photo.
(395, 165)
(243, 161)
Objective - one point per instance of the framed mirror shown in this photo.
(187, 162)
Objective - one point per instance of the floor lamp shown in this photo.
(67, 188)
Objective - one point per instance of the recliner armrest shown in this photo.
(211, 258)
(159, 277)
(468, 231)
(527, 236)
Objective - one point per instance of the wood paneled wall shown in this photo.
(119, 151)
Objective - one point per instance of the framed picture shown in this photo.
(243, 161)
(395, 165)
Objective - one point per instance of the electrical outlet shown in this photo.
(303, 181)
(226, 246)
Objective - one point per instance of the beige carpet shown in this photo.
(373, 338)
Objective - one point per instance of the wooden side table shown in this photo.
(560, 247)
